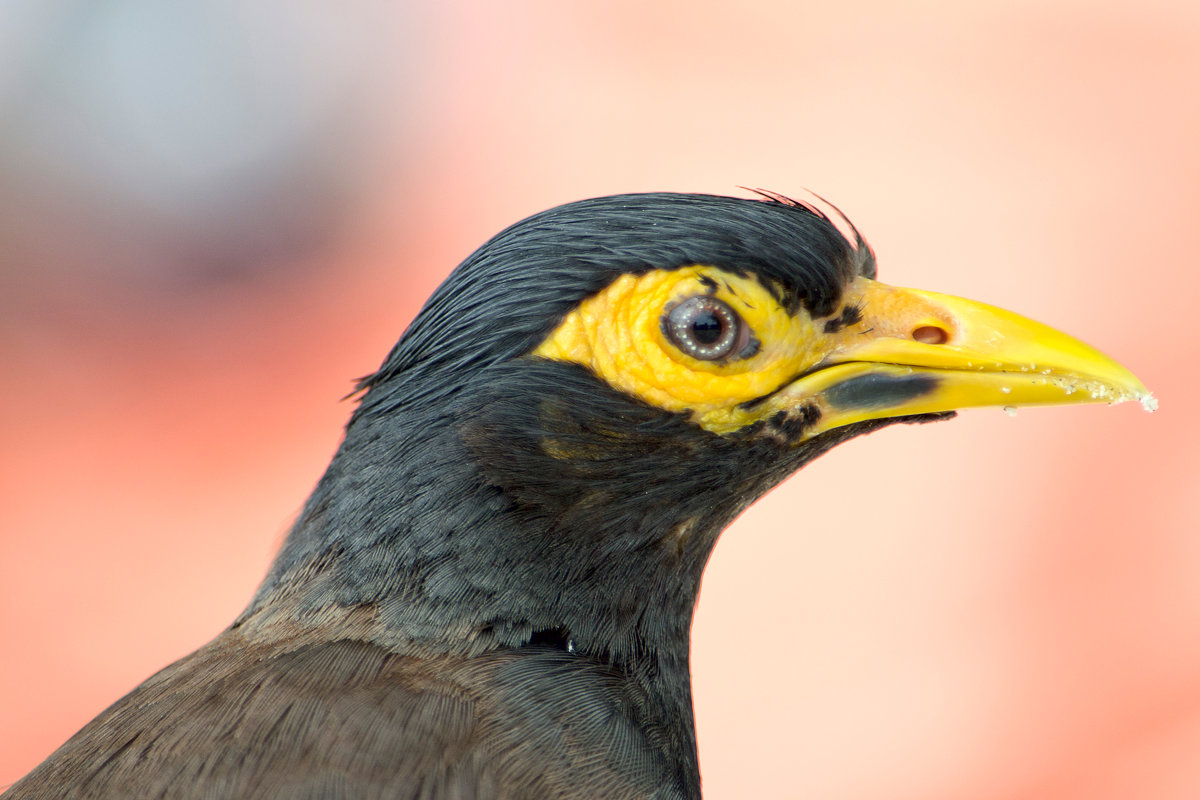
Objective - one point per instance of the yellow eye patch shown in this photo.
(619, 335)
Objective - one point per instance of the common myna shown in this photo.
(490, 592)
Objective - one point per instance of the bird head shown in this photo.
(594, 394)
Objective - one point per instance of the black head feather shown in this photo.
(511, 292)
(485, 500)
(481, 495)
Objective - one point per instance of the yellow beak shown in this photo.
(917, 352)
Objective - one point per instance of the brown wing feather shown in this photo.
(350, 719)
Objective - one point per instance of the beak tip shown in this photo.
(1133, 389)
(1130, 390)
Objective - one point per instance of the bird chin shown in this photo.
(836, 436)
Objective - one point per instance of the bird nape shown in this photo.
(490, 592)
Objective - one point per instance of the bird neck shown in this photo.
(476, 518)
(485, 522)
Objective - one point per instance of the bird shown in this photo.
(490, 591)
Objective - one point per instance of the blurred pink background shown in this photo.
(213, 216)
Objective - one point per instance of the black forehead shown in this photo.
(511, 292)
(788, 245)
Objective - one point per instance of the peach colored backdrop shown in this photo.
(993, 608)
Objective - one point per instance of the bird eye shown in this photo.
(706, 328)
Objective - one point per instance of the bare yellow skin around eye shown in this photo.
(618, 335)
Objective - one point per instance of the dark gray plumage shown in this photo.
(456, 614)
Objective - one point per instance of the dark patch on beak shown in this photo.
(792, 425)
(880, 391)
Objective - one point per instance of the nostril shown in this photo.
(931, 334)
